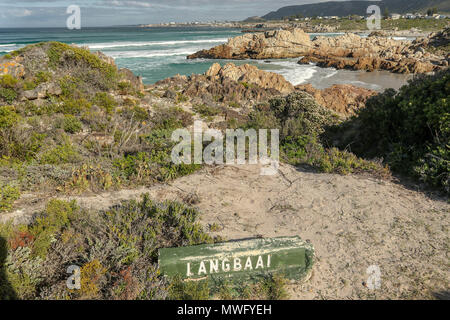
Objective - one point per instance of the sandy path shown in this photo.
(353, 222)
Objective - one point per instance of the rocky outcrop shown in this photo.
(244, 84)
(351, 51)
(437, 42)
(44, 90)
(250, 75)
(268, 45)
(344, 99)
(135, 81)
(12, 67)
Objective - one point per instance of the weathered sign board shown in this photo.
(289, 256)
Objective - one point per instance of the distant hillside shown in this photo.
(335, 8)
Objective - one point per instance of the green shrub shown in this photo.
(274, 288)
(409, 129)
(107, 76)
(8, 81)
(206, 111)
(57, 216)
(29, 85)
(188, 290)
(125, 87)
(43, 76)
(171, 118)
(24, 145)
(269, 287)
(74, 106)
(64, 153)
(15, 141)
(105, 101)
(301, 121)
(234, 104)
(247, 85)
(8, 194)
(8, 94)
(181, 98)
(135, 112)
(71, 124)
(8, 117)
(40, 77)
(133, 165)
(117, 249)
(307, 150)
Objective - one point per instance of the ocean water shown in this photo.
(158, 53)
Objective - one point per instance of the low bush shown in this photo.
(8, 95)
(64, 153)
(408, 129)
(8, 117)
(74, 106)
(71, 124)
(116, 249)
(8, 81)
(8, 194)
(106, 101)
(301, 122)
(206, 111)
(171, 118)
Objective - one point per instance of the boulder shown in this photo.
(375, 52)
(244, 84)
(348, 51)
(268, 45)
(344, 99)
(11, 67)
(42, 91)
(251, 75)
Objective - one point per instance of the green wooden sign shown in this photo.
(288, 256)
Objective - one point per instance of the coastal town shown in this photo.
(261, 23)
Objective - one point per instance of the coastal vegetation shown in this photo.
(301, 121)
(61, 120)
(116, 250)
(409, 129)
(71, 122)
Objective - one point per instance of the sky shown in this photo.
(52, 13)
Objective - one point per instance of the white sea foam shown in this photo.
(152, 43)
(9, 47)
(399, 38)
(150, 53)
(294, 72)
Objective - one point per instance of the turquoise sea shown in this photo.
(158, 53)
